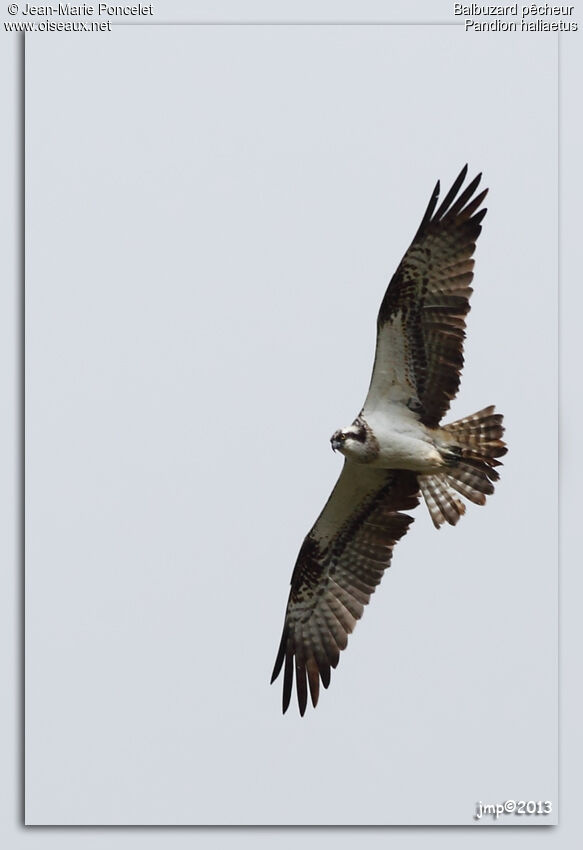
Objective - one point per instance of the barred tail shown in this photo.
(477, 442)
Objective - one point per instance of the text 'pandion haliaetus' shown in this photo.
(396, 448)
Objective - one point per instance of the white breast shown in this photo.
(404, 442)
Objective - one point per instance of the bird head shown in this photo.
(338, 439)
(353, 441)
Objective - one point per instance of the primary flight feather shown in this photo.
(396, 449)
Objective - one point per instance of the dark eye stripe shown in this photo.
(359, 435)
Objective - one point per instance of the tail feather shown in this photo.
(471, 487)
(441, 501)
(479, 435)
(478, 438)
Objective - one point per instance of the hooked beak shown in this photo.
(335, 443)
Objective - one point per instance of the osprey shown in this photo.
(396, 449)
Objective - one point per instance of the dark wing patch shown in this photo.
(333, 580)
(429, 296)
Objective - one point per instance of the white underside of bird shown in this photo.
(402, 442)
(397, 450)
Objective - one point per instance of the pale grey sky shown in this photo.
(212, 217)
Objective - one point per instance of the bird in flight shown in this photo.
(396, 449)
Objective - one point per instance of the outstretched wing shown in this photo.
(421, 322)
(341, 562)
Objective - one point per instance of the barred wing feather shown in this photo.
(339, 565)
(421, 321)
